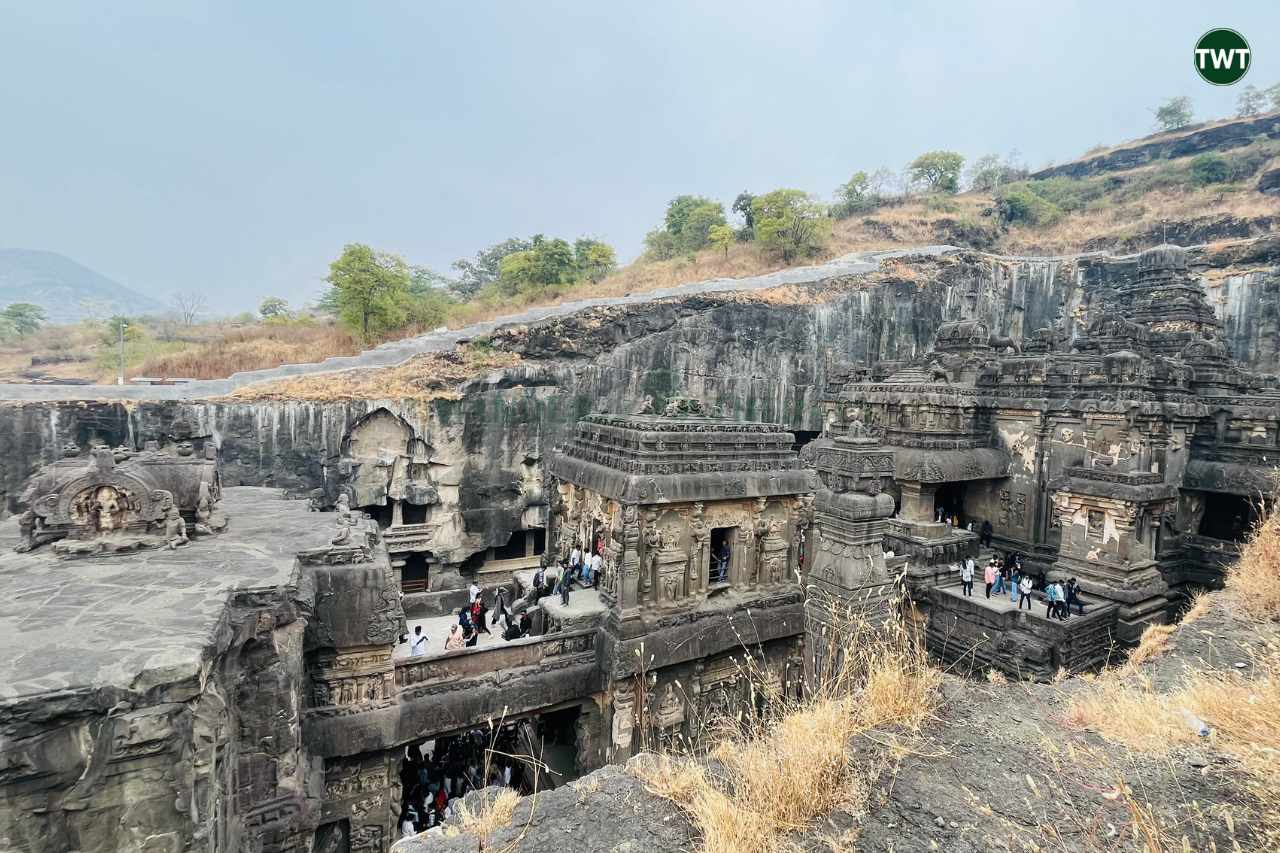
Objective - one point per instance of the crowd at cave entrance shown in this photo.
(591, 600)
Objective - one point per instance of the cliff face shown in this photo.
(761, 354)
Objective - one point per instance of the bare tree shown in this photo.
(189, 305)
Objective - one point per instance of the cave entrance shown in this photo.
(721, 556)
(803, 437)
(380, 513)
(415, 575)
(533, 752)
(1229, 518)
(949, 500)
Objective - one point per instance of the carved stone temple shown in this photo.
(193, 666)
(1120, 446)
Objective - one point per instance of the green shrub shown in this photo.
(1018, 203)
(1210, 168)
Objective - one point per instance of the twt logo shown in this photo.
(1222, 57)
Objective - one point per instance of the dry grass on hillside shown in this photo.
(1255, 578)
(776, 775)
(428, 376)
(1240, 708)
(1115, 223)
(253, 348)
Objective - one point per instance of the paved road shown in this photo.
(395, 352)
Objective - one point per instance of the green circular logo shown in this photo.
(1222, 57)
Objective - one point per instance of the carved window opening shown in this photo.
(721, 557)
(513, 550)
(381, 513)
(1228, 517)
(413, 513)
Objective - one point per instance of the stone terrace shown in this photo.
(135, 621)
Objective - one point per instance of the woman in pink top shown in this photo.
(989, 575)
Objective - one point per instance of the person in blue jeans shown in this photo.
(1014, 578)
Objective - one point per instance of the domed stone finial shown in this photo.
(1163, 257)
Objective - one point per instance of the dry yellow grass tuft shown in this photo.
(428, 376)
(1255, 578)
(1153, 643)
(494, 813)
(784, 771)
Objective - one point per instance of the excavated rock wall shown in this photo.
(761, 356)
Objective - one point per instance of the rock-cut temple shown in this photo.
(212, 668)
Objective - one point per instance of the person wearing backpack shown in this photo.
(1024, 591)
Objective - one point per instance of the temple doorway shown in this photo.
(721, 555)
(414, 575)
(948, 503)
(527, 754)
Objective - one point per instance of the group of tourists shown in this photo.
(435, 773)
(580, 569)
(473, 620)
(1005, 575)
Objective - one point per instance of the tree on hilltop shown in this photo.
(1174, 113)
(1251, 102)
(937, 171)
(790, 223)
(485, 268)
(370, 290)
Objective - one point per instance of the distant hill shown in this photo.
(68, 291)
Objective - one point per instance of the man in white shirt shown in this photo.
(597, 563)
(418, 644)
(575, 559)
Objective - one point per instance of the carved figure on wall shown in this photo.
(652, 543)
(670, 708)
(624, 699)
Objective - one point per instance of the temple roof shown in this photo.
(655, 458)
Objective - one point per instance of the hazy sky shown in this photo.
(237, 146)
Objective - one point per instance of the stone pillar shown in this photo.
(629, 582)
(917, 501)
(397, 513)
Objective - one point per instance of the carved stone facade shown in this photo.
(702, 522)
(120, 500)
(1092, 446)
